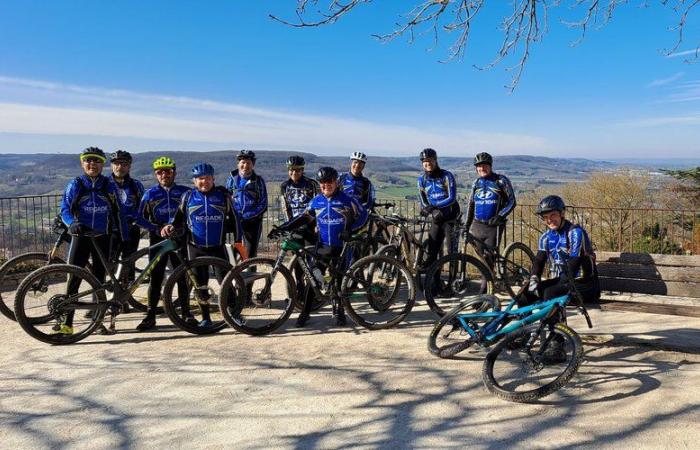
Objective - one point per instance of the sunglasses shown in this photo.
(93, 160)
(164, 171)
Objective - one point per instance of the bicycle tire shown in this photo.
(516, 270)
(175, 312)
(459, 284)
(515, 343)
(379, 299)
(13, 271)
(318, 303)
(239, 310)
(31, 327)
(477, 304)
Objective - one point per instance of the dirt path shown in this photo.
(327, 387)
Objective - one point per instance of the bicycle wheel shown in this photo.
(376, 302)
(199, 312)
(301, 284)
(255, 300)
(531, 363)
(447, 338)
(516, 265)
(13, 271)
(453, 278)
(42, 305)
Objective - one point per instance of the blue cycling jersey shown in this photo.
(249, 194)
(490, 196)
(359, 188)
(129, 193)
(333, 216)
(296, 196)
(437, 189)
(158, 206)
(93, 203)
(568, 241)
(209, 216)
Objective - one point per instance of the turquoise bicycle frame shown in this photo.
(530, 314)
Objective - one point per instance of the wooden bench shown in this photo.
(660, 284)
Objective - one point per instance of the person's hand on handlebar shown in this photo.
(274, 233)
(533, 284)
(167, 231)
(426, 211)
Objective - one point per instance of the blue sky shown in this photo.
(188, 75)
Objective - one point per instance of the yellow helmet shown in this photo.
(163, 163)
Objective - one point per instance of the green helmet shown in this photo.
(163, 163)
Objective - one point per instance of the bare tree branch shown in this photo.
(524, 27)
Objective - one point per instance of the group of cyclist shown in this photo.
(327, 211)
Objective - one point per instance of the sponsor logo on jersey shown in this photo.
(208, 218)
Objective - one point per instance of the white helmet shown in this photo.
(359, 156)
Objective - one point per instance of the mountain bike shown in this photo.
(259, 294)
(43, 303)
(459, 275)
(14, 270)
(534, 352)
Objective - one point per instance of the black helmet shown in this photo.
(483, 158)
(327, 174)
(428, 153)
(295, 162)
(93, 152)
(120, 155)
(550, 203)
(246, 154)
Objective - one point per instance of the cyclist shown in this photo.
(438, 197)
(357, 185)
(249, 199)
(336, 215)
(129, 193)
(490, 201)
(562, 242)
(298, 190)
(157, 209)
(208, 212)
(90, 206)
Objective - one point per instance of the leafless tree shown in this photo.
(525, 26)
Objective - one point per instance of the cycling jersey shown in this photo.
(296, 196)
(129, 193)
(158, 206)
(249, 194)
(209, 216)
(358, 187)
(569, 244)
(93, 204)
(333, 216)
(490, 196)
(437, 189)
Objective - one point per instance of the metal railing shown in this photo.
(25, 225)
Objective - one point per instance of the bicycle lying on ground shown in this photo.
(535, 352)
(260, 294)
(459, 275)
(43, 305)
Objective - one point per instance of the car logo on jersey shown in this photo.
(485, 194)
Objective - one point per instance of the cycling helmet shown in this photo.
(483, 158)
(295, 161)
(359, 156)
(93, 152)
(202, 169)
(327, 174)
(246, 154)
(163, 163)
(121, 155)
(428, 153)
(550, 203)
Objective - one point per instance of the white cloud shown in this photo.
(695, 52)
(664, 81)
(40, 107)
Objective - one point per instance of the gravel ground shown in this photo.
(330, 387)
